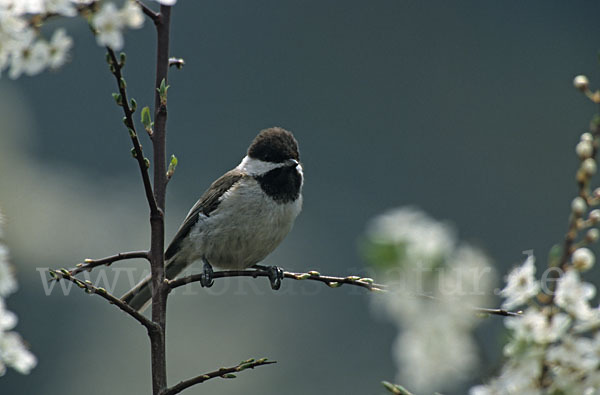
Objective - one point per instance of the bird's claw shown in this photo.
(275, 276)
(206, 278)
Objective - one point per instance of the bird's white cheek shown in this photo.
(255, 167)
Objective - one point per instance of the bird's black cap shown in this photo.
(274, 145)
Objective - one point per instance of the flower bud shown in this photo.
(592, 235)
(587, 136)
(589, 167)
(578, 206)
(581, 83)
(583, 259)
(584, 149)
(594, 216)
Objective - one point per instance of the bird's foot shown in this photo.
(275, 275)
(206, 278)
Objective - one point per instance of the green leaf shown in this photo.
(146, 120)
(555, 255)
(172, 166)
(162, 91)
(118, 98)
(383, 255)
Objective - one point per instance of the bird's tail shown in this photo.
(139, 296)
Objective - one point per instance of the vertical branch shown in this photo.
(159, 287)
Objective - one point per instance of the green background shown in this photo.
(463, 108)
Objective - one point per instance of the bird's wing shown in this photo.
(207, 203)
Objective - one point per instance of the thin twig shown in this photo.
(331, 281)
(139, 154)
(501, 312)
(64, 274)
(568, 246)
(226, 373)
(155, 16)
(89, 264)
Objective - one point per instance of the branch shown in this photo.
(500, 312)
(89, 288)
(89, 264)
(226, 373)
(155, 16)
(331, 281)
(115, 69)
(158, 352)
(576, 222)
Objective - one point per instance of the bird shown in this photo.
(241, 218)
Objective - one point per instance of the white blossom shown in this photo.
(13, 352)
(8, 284)
(20, 7)
(8, 319)
(519, 376)
(572, 361)
(14, 36)
(30, 60)
(31, 7)
(60, 44)
(521, 284)
(108, 26)
(573, 295)
(421, 239)
(132, 15)
(110, 21)
(432, 290)
(433, 355)
(61, 7)
(551, 339)
(534, 325)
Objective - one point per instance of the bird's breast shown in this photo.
(246, 227)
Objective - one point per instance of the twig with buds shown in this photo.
(331, 281)
(574, 253)
(89, 264)
(87, 286)
(128, 109)
(226, 373)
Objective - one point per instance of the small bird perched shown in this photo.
(241, 218)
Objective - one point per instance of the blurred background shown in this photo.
(465, 109)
